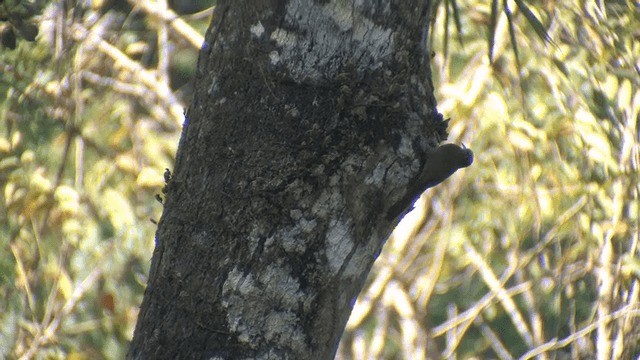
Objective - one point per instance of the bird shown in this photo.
(443, 162)
(440, 163)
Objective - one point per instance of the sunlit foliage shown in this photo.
(90, 117)
(533, 250)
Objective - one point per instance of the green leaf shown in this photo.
(512, 34)
(492, 28)
(445, 40)
(514, 44)
(534, 22)
(456, 18)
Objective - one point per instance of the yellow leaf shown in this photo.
(127, 163)
(27, 157)
(610, 86)
(545, 200)
(137, 48)
(624, 94)
(16, 139)
(520, 141)
(118, 210)
(9, 163)
(150, 178)
(68, 199)
(39, 183)
(72, 229)
(77, 356)
(5, 145)
(65, 285)
(495, 109)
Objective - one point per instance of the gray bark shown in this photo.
(310, 121)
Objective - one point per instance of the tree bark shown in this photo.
(310, 121)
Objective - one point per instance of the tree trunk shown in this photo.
(309, 123)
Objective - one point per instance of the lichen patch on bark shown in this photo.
(339, 243)
(263, 307)
(333, 36)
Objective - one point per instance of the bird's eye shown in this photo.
(468, 159)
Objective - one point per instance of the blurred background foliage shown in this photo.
(90, 117)
(530, 252)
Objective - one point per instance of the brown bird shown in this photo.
(443, 162)
(440, 164)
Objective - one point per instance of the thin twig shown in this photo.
(180, 26)
(53, 326)
(494, 284)
(469, 315)
(558, 344)
(147, 77)
(494, 339)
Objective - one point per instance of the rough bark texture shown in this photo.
(310, 120)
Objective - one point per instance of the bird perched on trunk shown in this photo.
(441, 163)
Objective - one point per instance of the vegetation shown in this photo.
(532, 251)
(534, 248)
